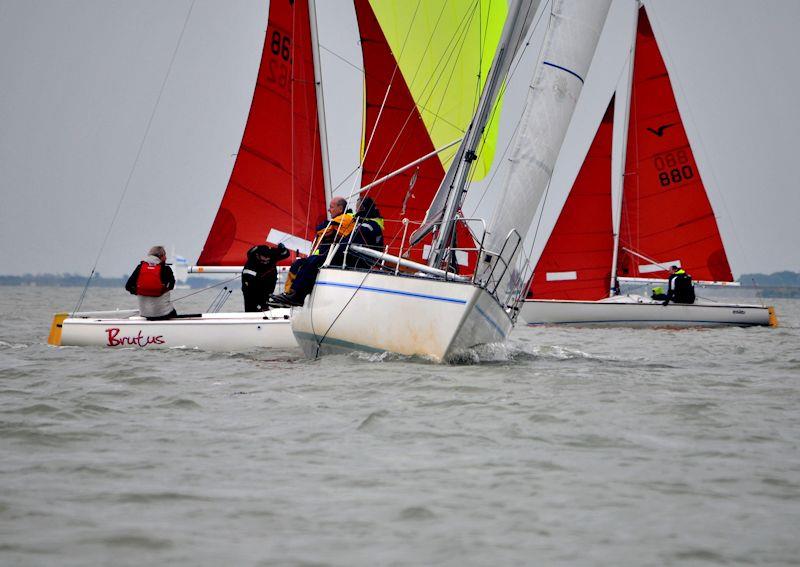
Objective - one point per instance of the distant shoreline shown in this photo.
(778, 285)
(75, 280)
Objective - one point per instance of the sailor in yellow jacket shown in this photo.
(303, 272)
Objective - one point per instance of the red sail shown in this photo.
(277, 181)
(395, 138)
(666, 215)
(576, 261)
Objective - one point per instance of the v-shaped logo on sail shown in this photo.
(660, 131)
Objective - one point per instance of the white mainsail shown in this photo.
(568, 48)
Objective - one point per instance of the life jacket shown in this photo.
(339, 227)
(149, 281)
(370, 233)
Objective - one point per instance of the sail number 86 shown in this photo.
(673, 167)
(279, 45)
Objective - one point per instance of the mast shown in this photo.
(323, 131)
(622, 133)
(454, 183)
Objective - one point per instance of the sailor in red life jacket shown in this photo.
(151, 282)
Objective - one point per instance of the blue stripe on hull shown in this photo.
(393, 292)
(491, 321)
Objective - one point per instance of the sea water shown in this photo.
(563, 447)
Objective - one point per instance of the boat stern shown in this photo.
(55, 329)
(773, 318)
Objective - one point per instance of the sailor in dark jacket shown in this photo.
(260, 274)
(368, 232)
(680, 287)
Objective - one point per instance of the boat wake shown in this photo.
(12, 346)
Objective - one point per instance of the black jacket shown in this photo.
(261, 265)
(680, 288)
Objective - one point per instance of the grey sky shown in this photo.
(79, 81)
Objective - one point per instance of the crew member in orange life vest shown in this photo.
(303, 271)
(151, 283)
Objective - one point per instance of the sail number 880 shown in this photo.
(673, 167)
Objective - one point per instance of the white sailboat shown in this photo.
(662, 217)
(277, 192)
(410, 308)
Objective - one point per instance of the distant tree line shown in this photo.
(779, 284)
(778, 279)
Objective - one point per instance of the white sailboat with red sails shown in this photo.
(662, 217)
(277, 192)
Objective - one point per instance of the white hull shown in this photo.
(411, 315)
(227, 332)
(642, 312)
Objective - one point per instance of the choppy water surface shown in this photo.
(567, 447)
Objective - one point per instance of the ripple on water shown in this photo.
(35, 409)
(371, 420)
(180, 403)
(136, 541)
(416, 513)
(41, 437)
(12, 346)
(700, 555)
(157, 497)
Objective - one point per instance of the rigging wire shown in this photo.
(291, 120)
(342, 58)
(453, 48)
(501, 93)
(212, 286)
(414, 110)
(455, 43)
(136, 159)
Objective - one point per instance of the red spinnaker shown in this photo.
(277, 181)
(666, 215)
(576, 261)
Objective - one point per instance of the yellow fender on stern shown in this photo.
(55, 329)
